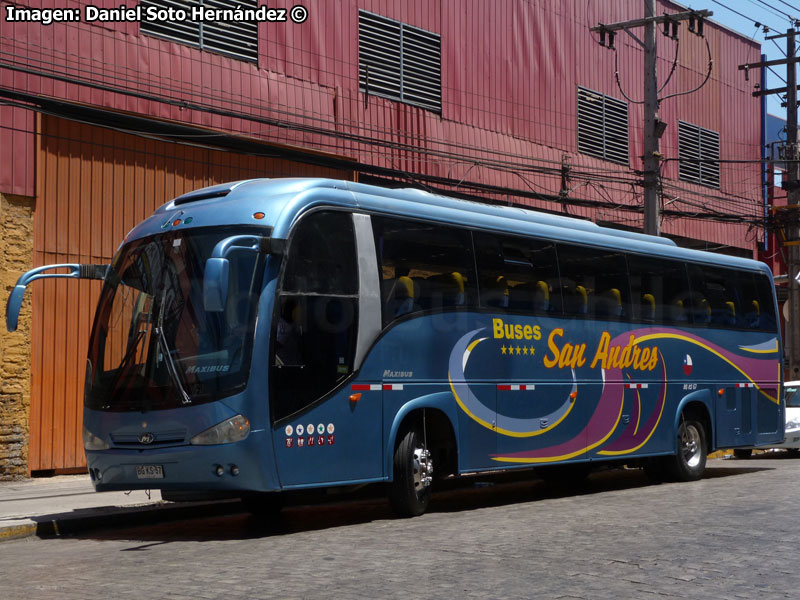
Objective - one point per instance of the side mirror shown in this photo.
(76, 271)
(217, 269)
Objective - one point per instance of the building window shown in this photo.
(602, 126)
(235, 38)
(698, 148)
(399, 62)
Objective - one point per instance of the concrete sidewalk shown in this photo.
(68, 504)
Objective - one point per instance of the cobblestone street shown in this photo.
(730, 535)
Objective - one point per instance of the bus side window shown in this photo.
(659, 288)
(596, 282)
(517, 273)
(756, 290)
(424, 267)
(715, 296)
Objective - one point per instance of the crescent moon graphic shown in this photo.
(485, 416)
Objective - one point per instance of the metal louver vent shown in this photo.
(399, 62)
(234, 38)
(602, 126)
(697, 148)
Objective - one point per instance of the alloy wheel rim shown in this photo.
(422, 467)
(690, 442)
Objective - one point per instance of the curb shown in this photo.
(52, 526)
(17, 531)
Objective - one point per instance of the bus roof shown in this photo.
(282, 201)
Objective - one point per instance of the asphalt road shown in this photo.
(732, 535)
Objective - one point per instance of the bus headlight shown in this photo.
(92, 442)
(231, 430)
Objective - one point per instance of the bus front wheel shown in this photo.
(689, 462)
(410, 490)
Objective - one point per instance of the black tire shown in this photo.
(265, 506)
(742, 453)
(410, 490)
(689, 461)
(793, 452)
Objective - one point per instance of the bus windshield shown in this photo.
(153, 346)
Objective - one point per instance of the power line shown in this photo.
(774, 11)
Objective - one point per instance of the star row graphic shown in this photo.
(526, 350)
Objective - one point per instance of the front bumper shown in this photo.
(187, 467)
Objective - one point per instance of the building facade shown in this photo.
(105, 114)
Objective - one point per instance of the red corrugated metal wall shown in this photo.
(93, 186)
(16, 151)
(509, 77)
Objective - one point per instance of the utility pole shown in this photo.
(652, 214)
(791, 184)
(653, 126)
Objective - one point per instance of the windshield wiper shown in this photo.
(171, 368)
(167, 352)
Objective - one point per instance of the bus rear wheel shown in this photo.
(410, 491)
(689, 462)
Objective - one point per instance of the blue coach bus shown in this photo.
(272, 335)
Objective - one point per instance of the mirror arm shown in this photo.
(76, 271)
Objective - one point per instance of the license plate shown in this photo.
(150, 472)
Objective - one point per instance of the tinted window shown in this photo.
(424, 266)
(594, 282)
(761, 315)
(315, 324)
(517, 273)
(727, 298)
(322, 257)
(659, 289)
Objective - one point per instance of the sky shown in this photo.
(742, 16)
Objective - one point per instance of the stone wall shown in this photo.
(16, 257)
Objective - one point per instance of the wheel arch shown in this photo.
(441, 422)
(698, 405)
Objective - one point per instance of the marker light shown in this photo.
(355, 397)
(231, 430)
(176, 222)
(234, 470)
(220, 471)
(258, 215)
